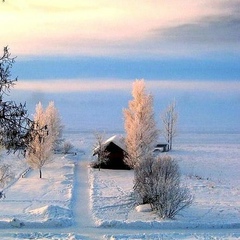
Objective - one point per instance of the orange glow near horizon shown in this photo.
(91, 27)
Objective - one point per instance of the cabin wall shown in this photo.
(116, 156)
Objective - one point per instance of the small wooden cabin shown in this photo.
(116, 149)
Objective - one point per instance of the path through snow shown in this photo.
(80, 201)
(83, 227)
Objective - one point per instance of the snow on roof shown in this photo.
(117, 140)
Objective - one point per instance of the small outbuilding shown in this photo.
(161, 147)
(116, 149)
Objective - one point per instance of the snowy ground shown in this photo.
(211, 174)
(53, 208)
(39, 202)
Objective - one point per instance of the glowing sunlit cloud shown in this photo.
(65, 85)
(92, 27)
(58, 86)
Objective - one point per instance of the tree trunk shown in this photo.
(40, 173)
(170, 143)
(99, 162)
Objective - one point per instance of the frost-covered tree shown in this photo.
(39, 116)
(157, 182)
(15, 126)
(140, 125)
(169, 119)
(53, 122)
(40, 150)
(99, 149)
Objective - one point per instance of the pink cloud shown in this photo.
(81, 85)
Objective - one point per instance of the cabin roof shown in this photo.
(117, 140)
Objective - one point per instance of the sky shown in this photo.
(94, 50)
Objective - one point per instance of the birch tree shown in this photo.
(169, 119)
(40, 149)
(140, 126)
(53, 122)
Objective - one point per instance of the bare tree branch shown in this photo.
(169, 119)
(157, 182)
(99, 148)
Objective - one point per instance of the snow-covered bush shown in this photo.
(5, 174)
(67, 146)
(157, 182)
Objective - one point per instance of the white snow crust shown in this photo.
(46, 207)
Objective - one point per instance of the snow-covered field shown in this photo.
(47, 208)
(211, 171)
(39, 202)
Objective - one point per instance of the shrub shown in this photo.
(5, 174)
(99, 149)
(157, 182)
(67, 146)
